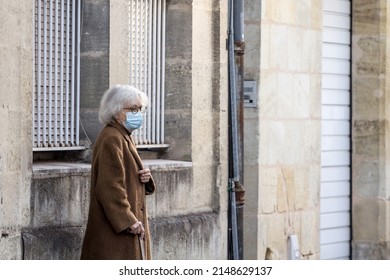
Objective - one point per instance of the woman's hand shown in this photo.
(144, 175)
(138, 229)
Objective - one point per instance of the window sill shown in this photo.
(54, 149)
(50, 169)
(158, 164)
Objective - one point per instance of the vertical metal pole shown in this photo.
(149, 64)
(233, 104)
(55, 119)
(136, 38)
(50, 75)
(131, 42)
(233, 147)
(73, 76)
(144, 61)
(158, 105)
(239, 47)
(154, 66)
(67, 73)
(233, 222)
(236, 189)
(44, 97)
(62, 132)
(39, 76)
(78, 71)
(163, 71)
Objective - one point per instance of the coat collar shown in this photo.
(127, 135)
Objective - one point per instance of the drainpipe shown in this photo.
(235, 187)
(239, 48)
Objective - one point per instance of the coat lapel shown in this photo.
(134, 152)
(129, 140)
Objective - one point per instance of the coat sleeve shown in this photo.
(150, 187)
(110, 185)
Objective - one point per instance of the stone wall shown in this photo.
(59, 208)
(178, 71)
(370, 130)
(181, 228)
(43, 211)
(209, 139)
(195, 104)
(282, 135)
(16, 95)
(94, 67)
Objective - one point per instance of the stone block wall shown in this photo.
(282, 135)
(370, 130)
(59, 210)
(16, 95)
(42, 211)
(94, 66)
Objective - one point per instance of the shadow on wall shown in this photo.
(49, 244)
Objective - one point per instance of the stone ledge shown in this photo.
(50, 169)
(60, 192)
(158, 164)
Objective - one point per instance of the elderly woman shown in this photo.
(117, 225)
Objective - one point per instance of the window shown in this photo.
(147, 65)
(57, 75)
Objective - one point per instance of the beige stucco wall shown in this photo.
(16, 77)
(282, 135)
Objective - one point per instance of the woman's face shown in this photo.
(128, 107)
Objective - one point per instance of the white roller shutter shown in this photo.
(335, 235)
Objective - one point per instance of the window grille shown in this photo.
(147, 65)
(57, 75)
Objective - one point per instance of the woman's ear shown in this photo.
(117, 117)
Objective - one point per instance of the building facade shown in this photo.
(316, 152)
(315, 128)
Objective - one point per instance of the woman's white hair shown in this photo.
(116, 97)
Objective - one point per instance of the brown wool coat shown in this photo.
(117, 198)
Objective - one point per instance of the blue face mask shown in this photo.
(133, 121)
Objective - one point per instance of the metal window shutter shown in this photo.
(57, 75)
(147, 65)
(335, 233)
